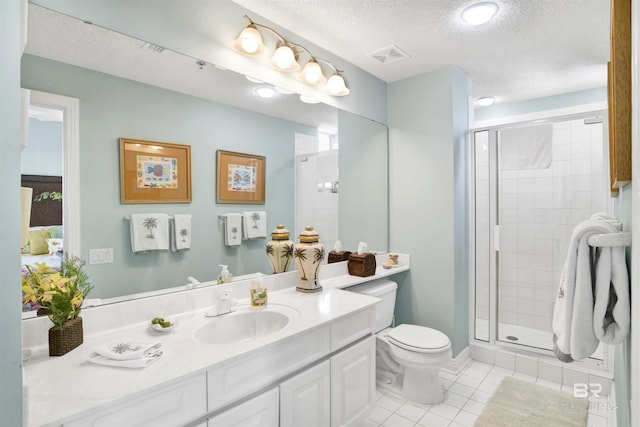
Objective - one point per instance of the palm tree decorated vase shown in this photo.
(280, 249)
(309, 254)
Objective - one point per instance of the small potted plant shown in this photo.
(60, 294)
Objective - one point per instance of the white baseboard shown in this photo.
(458, 363)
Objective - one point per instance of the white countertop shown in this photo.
(61, 387)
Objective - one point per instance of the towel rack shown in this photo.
(610, 239)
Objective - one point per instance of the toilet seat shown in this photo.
(419, 339)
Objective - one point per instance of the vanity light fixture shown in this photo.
(485, 101)
(479, 13)
(286, 57)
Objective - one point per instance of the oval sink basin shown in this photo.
(240, 325)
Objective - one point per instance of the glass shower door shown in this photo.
(550, 178)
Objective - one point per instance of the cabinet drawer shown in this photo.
(246, 374)
(350, 328)
(171, 405)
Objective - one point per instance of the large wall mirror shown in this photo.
(129, 88)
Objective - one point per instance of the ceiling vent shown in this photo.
(153, 47)
(389, 54)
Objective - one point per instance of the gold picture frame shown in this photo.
(241, 178)
(154, 172)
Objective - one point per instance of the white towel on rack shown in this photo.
(573, 333)
(254, 225)
(612, 310)
(149, 232)
(233, 229)
(181, 233)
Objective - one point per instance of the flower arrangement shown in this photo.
(60, 293)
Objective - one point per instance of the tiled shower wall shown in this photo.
(316, 204)
(538, 209)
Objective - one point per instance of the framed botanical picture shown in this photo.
(241, 178)
(154, 172)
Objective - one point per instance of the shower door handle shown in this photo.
(496, 238)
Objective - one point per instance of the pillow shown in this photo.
(54, 245)
(56, 231)
(38, 241)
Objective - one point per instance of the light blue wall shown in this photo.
(10, 294)
(111, 108)
(541, 104)
(43, 153)
(363, 196)
(427, 131)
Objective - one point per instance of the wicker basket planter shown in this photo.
(65, 339)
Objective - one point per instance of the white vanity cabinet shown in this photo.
(170, 405)
(353, 383)
(305, 398)
(260, 411)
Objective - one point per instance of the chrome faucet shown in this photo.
(225, 305)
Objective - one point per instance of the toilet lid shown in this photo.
(418, 338)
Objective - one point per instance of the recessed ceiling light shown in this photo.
(485, 101)
(265, 91)
(479, 13)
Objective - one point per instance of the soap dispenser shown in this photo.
(225, 276)
(258, 294)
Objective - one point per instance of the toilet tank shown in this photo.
(386, 291)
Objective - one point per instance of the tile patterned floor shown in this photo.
(465, 397)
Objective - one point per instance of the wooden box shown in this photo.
(338, 256)
(362, 265)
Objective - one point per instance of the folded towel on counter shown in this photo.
(149, 232)
(612, 309)
(573, 330)
(126, 349)
(181, 233)
(233, 229)
(254, 225)
(126, 353)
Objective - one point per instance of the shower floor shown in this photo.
(529, 337)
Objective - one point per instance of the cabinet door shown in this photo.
(260, 411)
(171, 405)
(353, 383)
(304, 399)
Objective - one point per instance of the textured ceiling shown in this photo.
(531, 49)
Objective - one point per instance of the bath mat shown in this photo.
(522, 404)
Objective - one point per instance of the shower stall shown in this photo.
(533, 183)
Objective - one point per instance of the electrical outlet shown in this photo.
(101, 256)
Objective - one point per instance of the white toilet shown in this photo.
(408, 357)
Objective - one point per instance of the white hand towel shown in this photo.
(254, 225)
(612, 310)
(149, 232)
(181, 233)
(233, 229)
(142, 362)
(126, 349)
(574, 336)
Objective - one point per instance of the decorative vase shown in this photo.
(309, 254)
(69, 336)
(280, 249)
